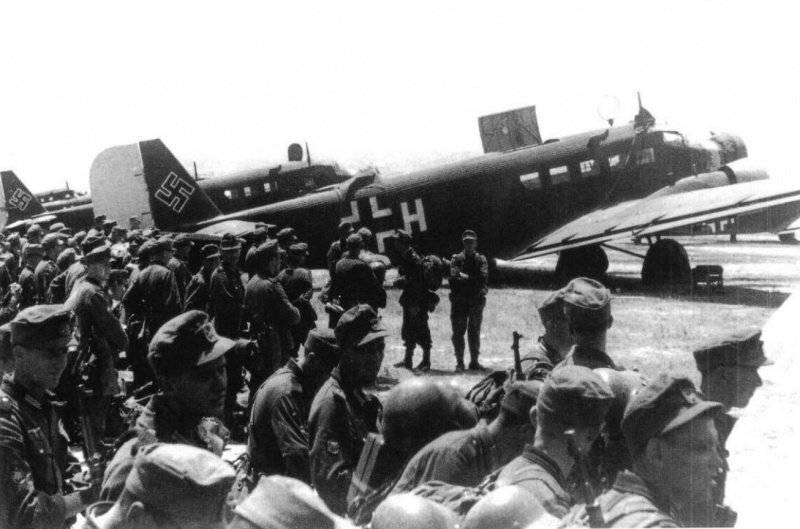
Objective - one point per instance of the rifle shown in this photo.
(94, 459)
(515, 337)
(585, 487)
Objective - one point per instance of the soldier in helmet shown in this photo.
(33, 450)
(670, 433)
(342, 414)
(587, 305)
(572, 398)
(353, 281)
(508, 507)
(406, 511)
(556, 341)
(46, 270)
(278, 441)
(469, 278)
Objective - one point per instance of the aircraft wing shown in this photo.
(657, 214)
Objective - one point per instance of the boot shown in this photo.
(425, 365)
(474, 365)
(406, 362)
(459, 363)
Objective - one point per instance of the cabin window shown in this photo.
(267, 187)
(228, 194)
(248, 192)
(559, 174)
(672, 138)
(645, 156)
(615, 160)
(588, 168)
(531, 180)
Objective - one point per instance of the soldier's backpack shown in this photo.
(488, 393)
(432, 272)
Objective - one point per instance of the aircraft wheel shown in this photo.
(587, 261)
(666, 264)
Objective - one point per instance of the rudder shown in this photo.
(20, 203)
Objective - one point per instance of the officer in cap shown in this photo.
(179, 262)
(227, 289)
(279, 502)
(342, 414)
(587, 305)
(278, 440)
(151, 300)
(672, 439)
(556, 341)
(466, 457)
(729, 370)
(46, 269)
(259, 238)
(338, 247)
(415, 301)
(298, 285)
(33, 450)
(170, 485)
(408, 511)
(508, 507)
(469, 280)
(353, 281)
(56, 227)
(32, 254)
(573, 401)
(269, 312)
(100, 334)
(415, 412)
(198, 293)
(188, 359)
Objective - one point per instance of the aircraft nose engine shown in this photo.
(731, 147)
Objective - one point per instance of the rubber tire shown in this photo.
(586, 261)
(666, 264)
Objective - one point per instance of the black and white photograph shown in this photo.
(412, 265)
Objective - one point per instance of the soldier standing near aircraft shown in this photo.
(31, 256)
(298, 285)
(179, 263)
(353, 281)
(338, 247)
(469, 278)
(33, 450)
(259, 238)
(415, 301)
(198, 291)
(46, 270)
(227, 299)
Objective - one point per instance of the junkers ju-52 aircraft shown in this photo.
(230, 192)
(525, 198)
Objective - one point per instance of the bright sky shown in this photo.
(390, 84)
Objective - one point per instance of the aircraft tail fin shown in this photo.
(20, 203)
(146, 181)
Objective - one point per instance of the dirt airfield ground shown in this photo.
(652, 331)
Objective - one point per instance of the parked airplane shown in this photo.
(572, 195)
(230, 192)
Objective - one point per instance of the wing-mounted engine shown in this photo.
(736, 172)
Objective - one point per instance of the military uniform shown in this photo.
(45, 271)
(354, 282)
(180, 269)
(581, 355)
(28, 283)
(278, 442)
(629, 503)
(33, 459)
(416, 302)
(537, 364)
(8, 275)
(198, 292)
(536, 472)
(339, 421)
(227, 296)
(75, 271)
(467, 300)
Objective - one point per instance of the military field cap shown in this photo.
(365, 232)
(345, 227)
(574, 396)
(134, 234)
(96, 245)
(119, 229)
(187, 483)
(118, 275)
(51, 240)
(267, 250)
(299, 248)
(358, 326)
(521, 397)
(286, 235)
(229, 243)
(280, 502)
(272, 230)
(587, 303)
(34, 229)
(183, 239)
(354, 239)
(743, 349)
(259, 234)
(32, 249)
(42, 327)
(163, 244)
(322, 342)
(146, 249)
(80, 236)
(13, 238)
(469, 235)
(109, 223)
(552, 306)
(402, 235)
(65, 231)
(57, 226)
(661, 406)
(99, 220)
(209, 251)
(186, 341)
(66, 258)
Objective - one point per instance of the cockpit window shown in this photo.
(672, 138)
(615, 160)
(645, 156)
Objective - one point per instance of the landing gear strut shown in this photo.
(666, 264)
(587, 261)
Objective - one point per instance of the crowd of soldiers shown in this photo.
(566, 438)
